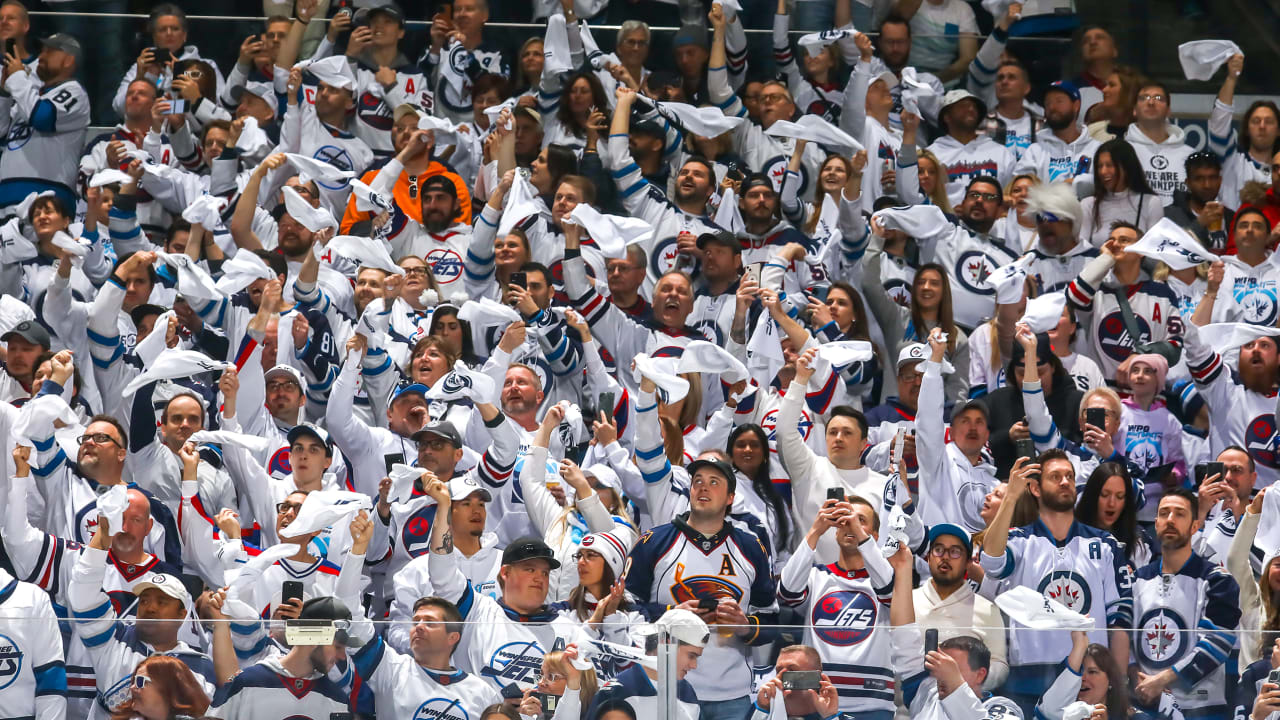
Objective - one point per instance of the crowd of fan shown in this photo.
(501, 385)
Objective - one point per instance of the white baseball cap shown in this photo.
(683, 625)
(170, 585)
(463, 487)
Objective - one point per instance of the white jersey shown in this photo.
(1084, 371)
(404, 689)
(980, 156)
(1087, 572)
(1165, 163)
(1240, 416)
(847, 622)
(33, 676)
(1238, 167)
(1248, 294)
(44, 129)
(443, 251)
(375, 103)
(970, 258)
(1054, 272)
(302, 132)
(266, 691)
(1155, 310)
(1187, 621)
(952, 489)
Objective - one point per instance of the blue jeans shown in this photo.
(734, 709)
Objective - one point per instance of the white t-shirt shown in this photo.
(1017, 133)
(935, 30)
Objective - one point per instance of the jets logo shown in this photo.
(1114, 338)
(445, 264)
(710, 330)
(898, 291)
(441, 709)
(337, 157)
(455, 383)
(1069, 589)
(972, 269)
(663, 257)
(278, 464)
(776, 169)
(1257, 302)
(1167, 245)
(515, 662)
(1162, 637)
(844, 617)
(1260, 440)
(19, 135)
(10, 661)
(769, 423)
(416, 533)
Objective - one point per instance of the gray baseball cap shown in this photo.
(64, 42)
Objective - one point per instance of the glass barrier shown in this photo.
(853, 658)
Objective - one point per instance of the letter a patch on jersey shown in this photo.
(726, 566)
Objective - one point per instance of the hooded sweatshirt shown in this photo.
(1165, 162)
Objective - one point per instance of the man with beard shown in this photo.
(1186, 611)
(721, 254)
(765, 230)
(404, 175)
(948, 603)
(297, 682)
(71, 490)
(440, 240)
(1243, 403)
(1066, 152)
(967, 153)
(116, 648)
(895, 49)
(43, 121)
(1243, 287)
(1079, 566)
(1058, 255)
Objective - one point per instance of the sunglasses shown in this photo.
(141, 681)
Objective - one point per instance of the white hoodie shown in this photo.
(1052, 159)
(1164, 163)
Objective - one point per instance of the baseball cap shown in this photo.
(439, 428)
(648, 126)
(64, 42)
(439, 183)
(391, 10)
(716, 464)
(722, 238)
(604, 475)
(915, 352)
(404, 109)
(1064, 86)
(527, 112)
(170, 585)
(418, 388)
(322, 621)
(261, 89)
(289, 372)
(142, 311)
(972, 405)
(937, 531)
(757, 179)
(31, 331)
(529, 548)
(890, 80)
(681, 624)
(314, 431)
(463, 487)
(690, 35)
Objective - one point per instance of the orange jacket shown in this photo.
(410, 206)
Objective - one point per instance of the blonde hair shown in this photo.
(589, 683)
(939, 195)
(1113, 401)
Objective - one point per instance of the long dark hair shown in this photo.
(946, 318)
(468, 351)
(578, 596)
(561, 161)
(1118, 692)
(1125, 528)
(598, 98)
(1124, 158)
(762, 480)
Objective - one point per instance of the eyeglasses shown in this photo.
(416, 271)
(952, 553)
(141, 681)
(975, 195)
(194, 73)
(438, 445)
(580, 555)
(98, 439)
(773, 98)
(278, 386)
(621, 268)
(1152, 97)
(284, 507)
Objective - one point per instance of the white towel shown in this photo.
(205, 210)
(241, 270)
(1038, 612)
(556, 55)
(1201, 58)
(314, 219)
(663, 373)
(1168, 242)
(310, 168)
(14, 246)
(728, 214)
(814, 129)
(814, 42)
(77, 246)
(367, 199)
(252, 443)
(484, 312)
(366, 252)
(334, 71)
(111, 505)
(326, 508)
(106, 176)
(521, 203)
(707, 357)
(611, 233)
(402, 479)
(843, 352)
(1225, 337)
(463, 382)
(492, 112)
(917, 93)
(193, 281)
(1009, 281)
(764, 350)
(1045, 312)
(443, 132)
(173, 364)
(705, 122)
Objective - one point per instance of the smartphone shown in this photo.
(548, 701)
(708, 604)
(10, 46)
(177, 107)
(835, 494)
(512, 692)
(1096, 417)
(1273, 677)
(735, 173)
(930, 640)
(607, 403)
(519, 279)
(392, 459)
(446, 11)
(1204, 471)
(801, 679)
(1025, 447)
(161, 55)
(753, 271)
(290, 590)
